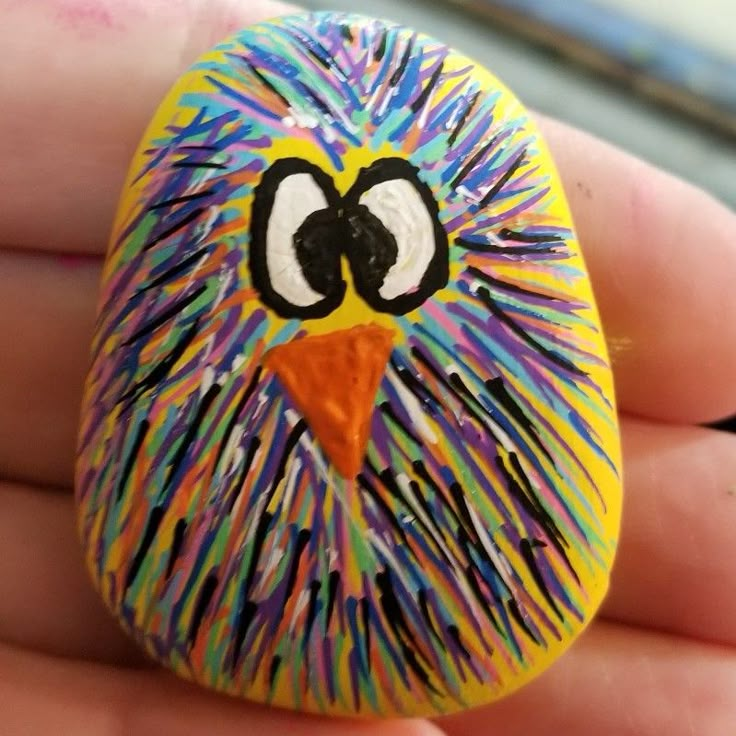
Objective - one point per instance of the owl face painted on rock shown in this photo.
(348, 442)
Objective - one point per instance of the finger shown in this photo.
(70, 125)
(661, 254)
(46, 322)
(42, 695)
(47, 602)
(618, 681)
(674, 570)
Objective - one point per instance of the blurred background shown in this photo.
(657, 77)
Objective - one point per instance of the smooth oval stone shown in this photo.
(349, 441)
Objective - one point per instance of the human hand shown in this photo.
(661, 657)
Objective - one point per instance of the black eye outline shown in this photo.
(345, 227)
(437, 272)
(263, 204)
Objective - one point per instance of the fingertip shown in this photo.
(423, 728)
(662, 259)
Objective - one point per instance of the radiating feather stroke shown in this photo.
(461, 556)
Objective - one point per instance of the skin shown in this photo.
(661, 656)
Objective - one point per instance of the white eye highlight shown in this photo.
(402, 211)
(297, 197)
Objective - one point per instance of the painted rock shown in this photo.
(348, 442)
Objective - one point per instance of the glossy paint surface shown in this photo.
(328, 180)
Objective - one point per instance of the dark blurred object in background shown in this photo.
(670, 68)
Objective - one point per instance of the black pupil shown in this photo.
(325, 235)
(373, 249)
(318, 244)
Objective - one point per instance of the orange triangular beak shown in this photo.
(333, 380)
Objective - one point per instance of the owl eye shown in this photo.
(295, 247)
(398, 248)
